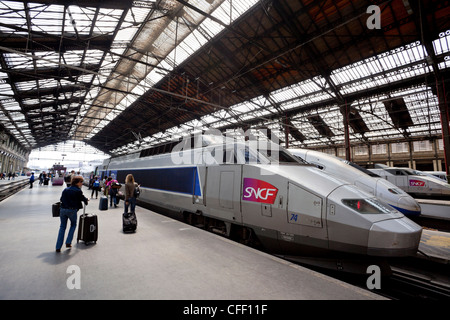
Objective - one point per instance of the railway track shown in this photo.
(11, 188)
(432, 223)
(409, 279)
(418, 278)
(407, 285)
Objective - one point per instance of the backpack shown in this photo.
(137, 192)
(96, 184)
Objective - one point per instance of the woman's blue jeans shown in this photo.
(64, 215)
(112, 199)
(131, 204)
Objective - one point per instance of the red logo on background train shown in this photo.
(416, 183)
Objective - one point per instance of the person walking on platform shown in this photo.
(71, 201)
(31, 180)
(113, 191)
(130, 196)
(95, 187)
(107, 184)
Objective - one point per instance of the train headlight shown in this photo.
(367, 206)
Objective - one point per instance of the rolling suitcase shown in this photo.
(87, 228)
(103, 203)
(129, 222)
(55, 209)
(57, 181)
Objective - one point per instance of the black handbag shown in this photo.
(116, 185)
(55, 209)
(136, 192)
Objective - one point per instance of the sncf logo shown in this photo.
(259, 191)
(416, 183)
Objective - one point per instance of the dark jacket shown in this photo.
(129, 190)
(72, 197)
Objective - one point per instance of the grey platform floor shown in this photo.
(164, 259)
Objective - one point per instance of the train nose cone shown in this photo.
(410, 205)
(394, 238)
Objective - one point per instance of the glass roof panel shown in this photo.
(179, 37)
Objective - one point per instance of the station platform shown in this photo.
(5, 182)
(435, 245)
(164, 260)
(438, 209)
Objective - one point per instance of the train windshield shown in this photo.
(420, 173)
(368, 206)
(281, 156)
(354, 165)
(413, 172)
(236, 153)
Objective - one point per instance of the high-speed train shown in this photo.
(289, 207)
(414, 182)
(90, 170)
(363, 179)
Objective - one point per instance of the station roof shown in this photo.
(126, 75)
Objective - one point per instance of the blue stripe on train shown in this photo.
(179, 179)
(406, 212)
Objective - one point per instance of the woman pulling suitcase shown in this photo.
(129, 221)
(71, 201)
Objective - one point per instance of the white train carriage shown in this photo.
(360, 177)
(415, 182)
(290, 207)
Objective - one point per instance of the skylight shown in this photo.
(399, 64)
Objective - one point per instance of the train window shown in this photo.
(300, 159)
(367, 206)
(250, 157)
(396, 172)
(229, 157)
(354, 165)
(318, 165)
(280, 155)
(286, 157)
(395, 190)
(417, 173)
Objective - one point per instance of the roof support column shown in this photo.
(286, 133)
(346, 134)
(444, 113)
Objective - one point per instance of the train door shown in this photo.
(401, 180)
(304, 207)
(306, 217)
(222, 192)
